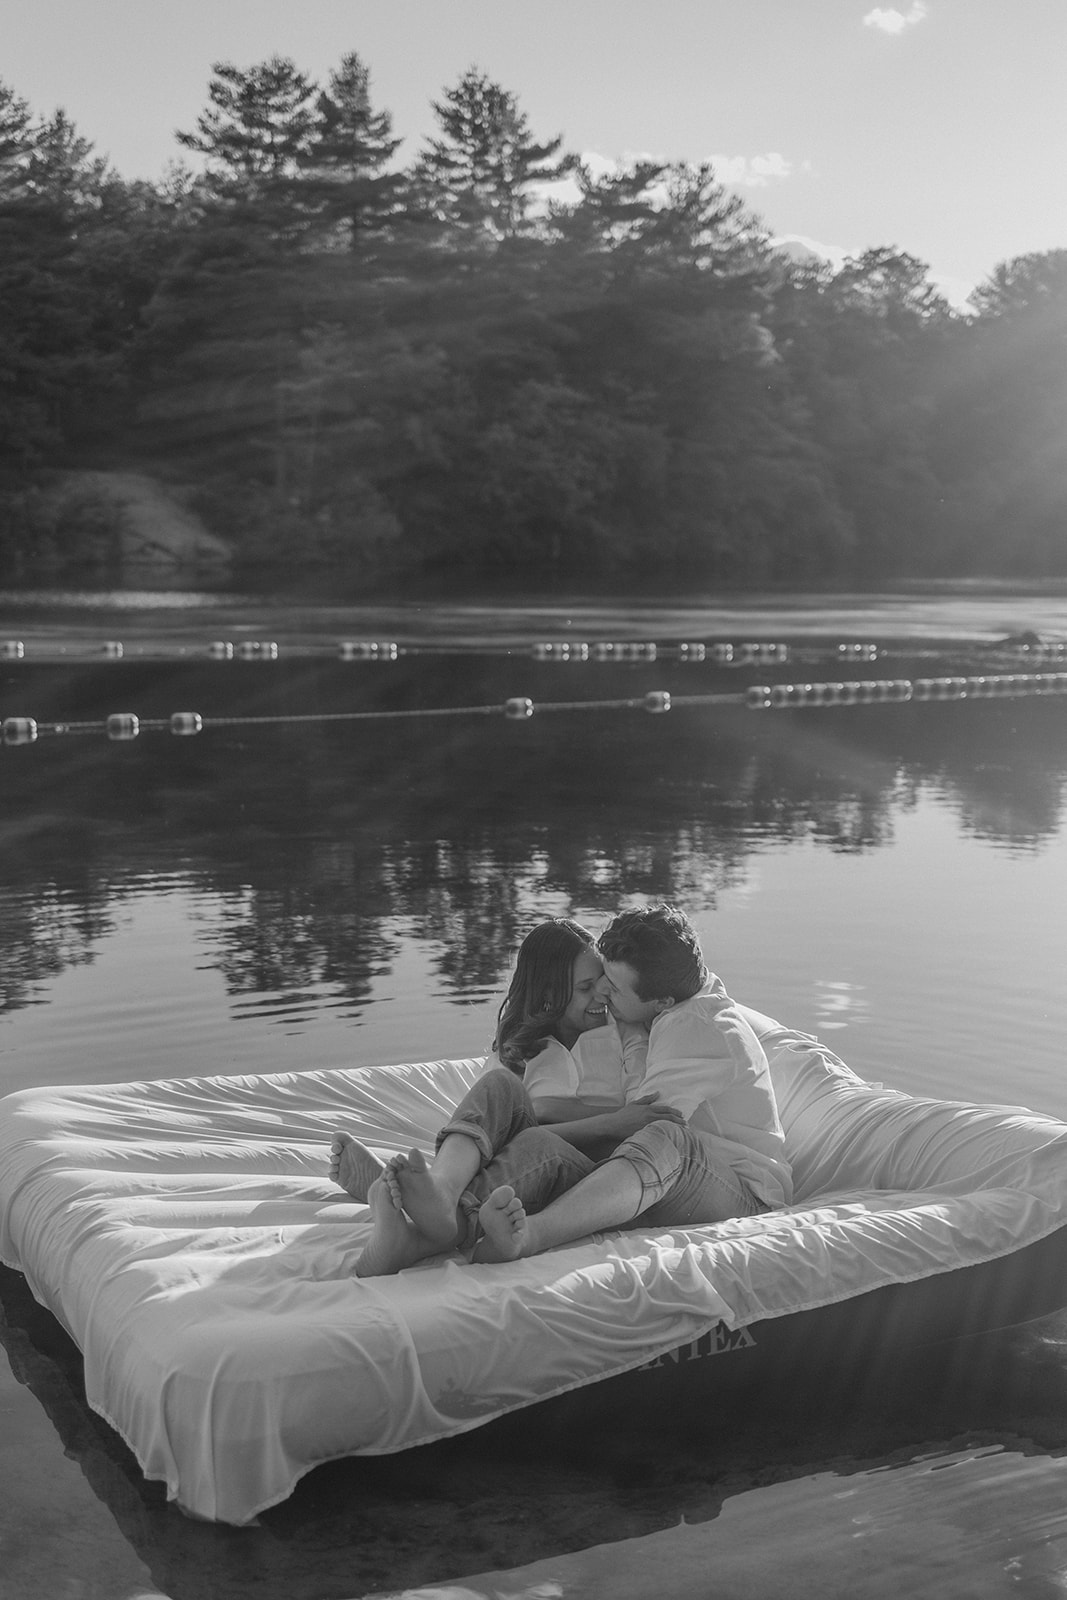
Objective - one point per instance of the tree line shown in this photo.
(495, 361)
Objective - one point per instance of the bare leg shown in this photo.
(609, 1197)
(429, 1192)
(352, 1165)
(394, 1243)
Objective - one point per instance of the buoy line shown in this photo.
(722, 653)
(126, 725)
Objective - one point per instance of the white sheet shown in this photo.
(185, 1234)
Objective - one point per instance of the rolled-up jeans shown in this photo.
(685, 1177)
(498, 1115)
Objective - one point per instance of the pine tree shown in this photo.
(16, 143)
(343, 169)
(57, 362)
(62, 167)
(257, 129)
(482, 175)
(614, 211)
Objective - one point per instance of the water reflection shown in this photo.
(836, 1004)
(317, 838)
(44, 933)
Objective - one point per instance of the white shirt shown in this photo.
(705, 1059)
(605, 1067)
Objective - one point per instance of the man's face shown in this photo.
(617, 987)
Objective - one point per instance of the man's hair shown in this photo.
(661, 945)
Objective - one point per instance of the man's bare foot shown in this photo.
(431, 1208)
(506, 1227)
(394, 1243)
(352, 1166)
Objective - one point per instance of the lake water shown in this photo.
(297, 886)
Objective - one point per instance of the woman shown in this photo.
(554, 1032)
(560, 1090)
(551, 994)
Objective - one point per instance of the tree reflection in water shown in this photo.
(321, 840)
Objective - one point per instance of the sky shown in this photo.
(935, 126)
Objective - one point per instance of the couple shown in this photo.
(624, 1083)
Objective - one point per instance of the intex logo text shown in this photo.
(715, 1342)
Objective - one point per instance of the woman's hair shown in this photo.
(540, 989)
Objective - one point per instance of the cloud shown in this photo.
(887, 19)
(746, 172)
(752, 172)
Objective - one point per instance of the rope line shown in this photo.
(722, 653)
(350, 716)
(759, 697)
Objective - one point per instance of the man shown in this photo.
(705, 1064)
(704, 1061)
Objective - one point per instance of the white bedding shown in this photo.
(186, 1236)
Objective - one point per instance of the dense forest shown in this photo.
(495, 362)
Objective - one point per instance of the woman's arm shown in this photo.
(586, 1126)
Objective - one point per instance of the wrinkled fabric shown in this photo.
(186, 1235)
(705, 1058)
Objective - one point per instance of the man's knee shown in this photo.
(656, 1137)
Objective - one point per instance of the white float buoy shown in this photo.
(366, 650)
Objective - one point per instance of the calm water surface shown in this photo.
(286, 894)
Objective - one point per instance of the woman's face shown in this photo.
(585, 1009)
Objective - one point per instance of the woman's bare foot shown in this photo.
(394, 1243)
(506, 1227)
(352, 1166)
(431, 1207)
